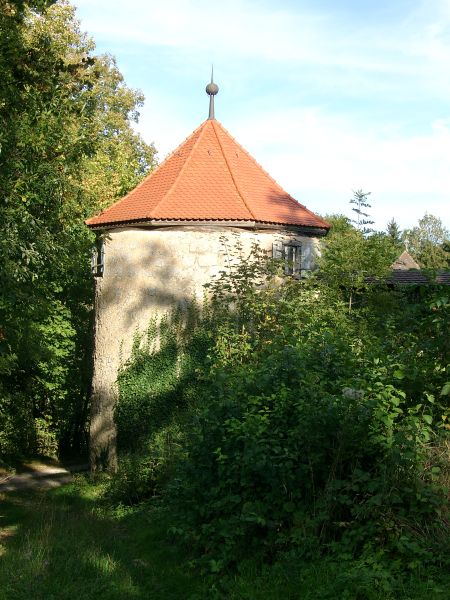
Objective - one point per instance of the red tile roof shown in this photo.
(209, 177)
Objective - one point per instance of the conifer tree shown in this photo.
(394, 233)
(360, 202)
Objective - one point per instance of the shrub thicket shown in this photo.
(300, 426)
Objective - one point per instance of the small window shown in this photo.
(291, 253)
(98, 258)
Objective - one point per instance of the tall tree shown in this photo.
(67, 148)
(428, 243)
(394, 233)
(361, 203)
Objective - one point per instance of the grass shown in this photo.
(63, 544)
(67, 544)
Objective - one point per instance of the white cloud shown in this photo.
(312, 153)
(320, 159)
(341, 142)
(271, 32)
(239, 26)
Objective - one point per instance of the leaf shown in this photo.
(428, 419)
(446, 389)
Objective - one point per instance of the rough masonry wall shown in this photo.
(147, 271)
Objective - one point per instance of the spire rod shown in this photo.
(211, 90)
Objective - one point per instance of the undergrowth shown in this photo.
(70, 543)
(281, 424)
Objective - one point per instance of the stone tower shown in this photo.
(164, 240)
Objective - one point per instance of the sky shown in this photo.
(329, 96)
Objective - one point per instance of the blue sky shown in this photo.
(328, 96)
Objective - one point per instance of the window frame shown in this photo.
(291, 253)
(98, 258)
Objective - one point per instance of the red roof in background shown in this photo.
(209, 177)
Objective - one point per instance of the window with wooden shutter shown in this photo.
(291, 253)
(98, 258)
(277, 250)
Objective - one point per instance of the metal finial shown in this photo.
(211, 90)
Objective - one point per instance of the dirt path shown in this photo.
(39, 476)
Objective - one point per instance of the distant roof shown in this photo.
(404, 262)
(415, 277)
(209, 177)
(405, 270)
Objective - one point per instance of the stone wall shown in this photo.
(147, 271)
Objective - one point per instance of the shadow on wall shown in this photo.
(149, 272)
(141, 276)
(156, 386)
(159, 394)
(144, 278)
(103, 434)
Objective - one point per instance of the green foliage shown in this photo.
(314, 432)
(158, 394)
(311, 430)
(394, 234)
(67, 148)
(361, 203)
(350, 259)
(17, 426)
(314, 440)
(68, 543)
(157, 382)
(428, 243)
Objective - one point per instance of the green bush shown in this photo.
(283, 422)
(144, 474)
(17, 432)
(315, 438)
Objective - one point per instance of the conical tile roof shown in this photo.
(209, 177)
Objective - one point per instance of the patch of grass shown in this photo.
(66, 544)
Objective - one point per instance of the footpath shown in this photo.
(39, 475)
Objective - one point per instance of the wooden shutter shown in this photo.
(94, 260)
(297, 259)
(98, 258)
(288, 259)
(277, 250)
(101, 262)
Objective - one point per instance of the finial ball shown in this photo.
(212, 89)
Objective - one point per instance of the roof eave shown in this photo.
(318, 231)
